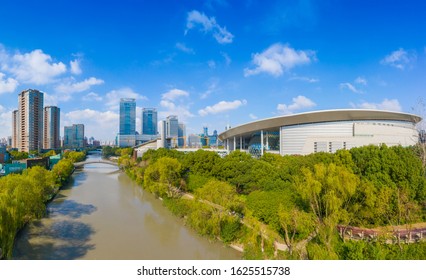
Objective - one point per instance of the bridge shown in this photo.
(102, 161)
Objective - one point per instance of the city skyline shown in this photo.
(211, 63)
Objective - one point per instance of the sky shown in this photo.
(212, 63)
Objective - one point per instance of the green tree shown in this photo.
(296, 225)
(163, 177)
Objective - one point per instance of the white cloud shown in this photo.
(350, 87)
(7, 85)
(101, 125)
(71, 86)
(5, 122)
(278, 59)
(300, 102)
(184, 48)
(304, 79)
(174, 94)
(206, 24)
(361, 81)
(227, 58)
(222, 106)
(175, 102)
(399, 59)
(113, 97)
(34, 67)
(75, 67)
(91, 96)
(386, 104)
(253, 117)
(212, 87)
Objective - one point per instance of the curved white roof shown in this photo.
(317, 117)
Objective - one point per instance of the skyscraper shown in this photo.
(169, 132)
(149, 121)
(30, 118)
(182, 135)
(74, 136)
(127, 116)
(127, 131)
(51, 138)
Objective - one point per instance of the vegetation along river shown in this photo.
(103, 214)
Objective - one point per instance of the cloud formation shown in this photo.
(300, 102)
(91, 96)
(349, 86)
(199, 20)
(175, 102)
(399, 59)
(184, 48)
(113, 97)
(386, 104)
(75, 67)
(95, 122)
(222, 106)
(34, 67)
(278, 59)
(72, 87)
(7, 85)
(360, 81)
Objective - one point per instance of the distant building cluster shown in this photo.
(37, 128)
(128, 136)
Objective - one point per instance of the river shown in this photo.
(102, 214)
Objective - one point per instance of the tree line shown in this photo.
(23, 197)
(295, 200)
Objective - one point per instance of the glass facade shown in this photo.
(74, 136)
(127, 116)
(149, 121)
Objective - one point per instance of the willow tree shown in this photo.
(163, 177)
(329, 191)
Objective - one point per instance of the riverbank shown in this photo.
(106, 216)
(33, 189)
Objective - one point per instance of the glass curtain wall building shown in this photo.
(149, 121)
(127, 116)
(74, 136)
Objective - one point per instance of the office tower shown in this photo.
(172, 131)
(182, 135)
(15, 129)
(127, 116)
(51, 134)
(74, 136)
(149, 121)
(30, 114)
(127, 132)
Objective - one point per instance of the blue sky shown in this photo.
(212, 63)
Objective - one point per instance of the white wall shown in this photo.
(331, 136)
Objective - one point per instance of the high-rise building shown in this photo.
(149, 121)
(127, 116)
(30, 115)
(182, 135)
(15, 129)
(51, 134)
(172, 131)
(74, 136)
(127, 130)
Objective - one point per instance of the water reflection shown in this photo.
(60, 240)
(69, 208)
(102, 214)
